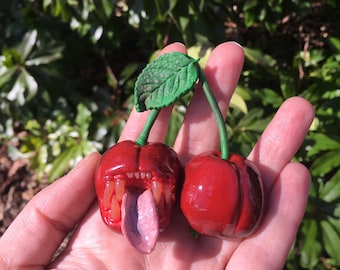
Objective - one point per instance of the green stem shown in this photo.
(218, 116)
(144, 135)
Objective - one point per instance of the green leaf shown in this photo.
(62, 163)
(165, 80)
(46, 59)
(27, 44)
(237, 102)
(127, 72)
(30, 84)
(25, 81)
(172, 4)
(325, 163)
(6, 75)
(83, 119)
(311, 247)
(10, 58)
(331, 190)
(250, 117)
(331, 239)
(107, 7)
(17, 91)
(287, 85)
(270, 97)
(335, 42)
(322, 143)
(46, 3)
(202, 52)
(259, 58)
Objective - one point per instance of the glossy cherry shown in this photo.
(222, 198)
(124, 173)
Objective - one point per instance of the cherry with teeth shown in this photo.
(128, 166)
(136, 181)
(133, 182)
(222, 196)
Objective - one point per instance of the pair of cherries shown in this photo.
(222, 194)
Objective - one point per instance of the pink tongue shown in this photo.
(139, 220)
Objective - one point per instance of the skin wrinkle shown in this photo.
(273, 144)
(290, 193)
(265, 260)
(38, 226)
(76, 249)
(36, 216)
(78, 257)
(150, 259)
(68, 220)
(3, 262)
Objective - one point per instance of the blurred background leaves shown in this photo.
(68, 68)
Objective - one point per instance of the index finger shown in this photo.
(199, 132)
(137, 120)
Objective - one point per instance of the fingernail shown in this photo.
(236, 43)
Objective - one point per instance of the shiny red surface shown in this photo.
(222, 198)
(126, 158)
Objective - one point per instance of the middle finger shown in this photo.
(199, 131)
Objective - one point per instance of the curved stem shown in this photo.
(144, 135)
(218, 116)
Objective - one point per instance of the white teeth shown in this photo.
(120, 188)
(136, 175)
(115, 209)
(108, 191)
(129, 175)
(157, 188)
(117, 187)
(161, 206)
(167, 194)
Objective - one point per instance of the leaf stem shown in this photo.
(144, 135)
(218, 116)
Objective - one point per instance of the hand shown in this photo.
(34, 236)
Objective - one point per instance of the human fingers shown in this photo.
(199, 131)
(282, 138)
(34, 236)
(269, 248)
(279, 142)
(137, 120)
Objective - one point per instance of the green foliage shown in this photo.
(165, 80)
(59, 143)
(320, 228)
(68, 69)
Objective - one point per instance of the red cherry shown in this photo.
(135, 186)
(222, 198)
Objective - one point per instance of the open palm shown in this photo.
(34, 236)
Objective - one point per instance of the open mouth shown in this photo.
(136, 190)
(139, 202)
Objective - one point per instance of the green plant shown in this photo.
(57, 145)
(91, 51)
